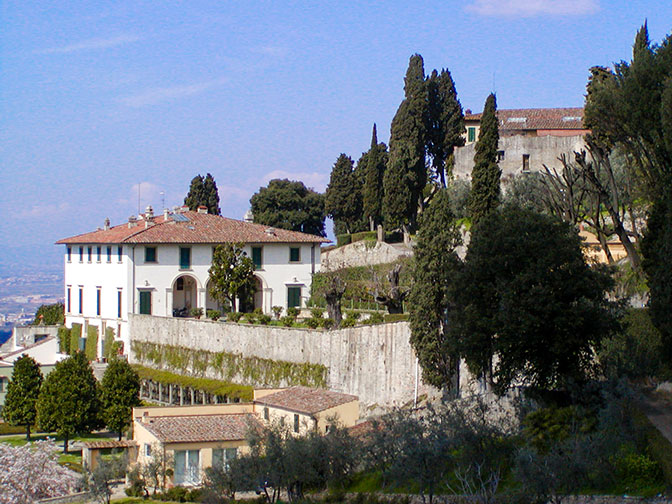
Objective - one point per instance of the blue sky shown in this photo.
(98, 97)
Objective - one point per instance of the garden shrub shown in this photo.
(250, 318)
(396, 317)
(75, 334)
(354, 315)
(635, 470)
(213, 314)
(258, 311)
(348, 322)
(234, 316)
(343, 239)
(363, 235)
(293, 312)
(327, 323)
(64, 340)
(288, 320)
(313, 322)
(264, 319)
(91, 347)
(196, 312)
(110, 346)
(375, 318)
(317, 313)
(277, 311)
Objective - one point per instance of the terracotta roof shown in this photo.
(305, 400)
(536, 119)
(194, 428)
(124, 443)
(192, 227)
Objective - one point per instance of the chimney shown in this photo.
(106, 226)
(202, 209)
(270, 231)
(145, 417)
(249, 216)
(149, 212)
(467, 112)
(165, 214)
(132, 221)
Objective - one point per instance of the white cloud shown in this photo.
(91, 44)
(157, 95)
(317, 181)
(529, 8)
(43, 211)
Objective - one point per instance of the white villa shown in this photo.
(158, 265)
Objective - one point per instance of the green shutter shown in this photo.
(185, 258)
(293, 297)
(256, 257)
(472, 134)
(145, 302)
(294, 254)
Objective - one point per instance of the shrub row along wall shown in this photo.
(375, 363)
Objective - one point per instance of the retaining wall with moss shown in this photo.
(375, 362)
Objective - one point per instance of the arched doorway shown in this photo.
(212, 304)
(184, 295)
(258, 293)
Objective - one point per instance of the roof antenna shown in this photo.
(163, 200)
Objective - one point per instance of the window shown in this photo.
(185, 258)
(256, 257)
(81, 254)
(81, 299)
(148, 450)
(221, 457)
(293, 297)
(69, 254)
(266, 414)
(294, 254)
(119, 303)
(98, 253)
(145, 302)
(471, 134)
(98, 289)
(89, 253)
(296, 423)
(109, 254)
(187, 470)
(150, 254)
(120, 253)
(2, 384)
(179, 284)
(69, 299)
(500, 155)
(526, 162)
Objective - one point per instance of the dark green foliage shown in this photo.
(363, 235)
(435, 264)
(119, 393)
(343, 198)
(233, 316)
(445, 129)
(213, 314)
(484, 196)
(526, 190)
(68, 402)
(231, 274)
(75, 334)
(64, 340)
(99, 481)
(372, 164)
(52, 314)
(289, 205)
(635, 351)
(20, 406)
(458, 195)
(110, 347)
(657, 251)
(91, 347)
(406, 174)
(203, 191)
(526, 295)
(343, 239)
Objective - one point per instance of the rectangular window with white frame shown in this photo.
(69, 249)
(99, 253)
(81, 299)
(109, 254)
(98, 300)
(295, 254)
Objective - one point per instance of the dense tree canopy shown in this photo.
(372, 164)
(119, 394)
(485, 176)
(435, 266)
(52, 314)
(529, 310)
(343, 198)
(231, 274)
(289, 205)
(203, 191)
(22, 392)
(68, 403)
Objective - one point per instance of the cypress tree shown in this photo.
(406, 174)
(445, 129)
(373, 165)
(343, 198)
(22, 392)
(211, 195)
(486, 174)
(203, 191)
(435, 264)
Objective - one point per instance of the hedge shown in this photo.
(343, 239)
(91, 347)
(396, 317)
(658, 447)
(75, 334)
(364, 235)
(64, 340)
(110, 346)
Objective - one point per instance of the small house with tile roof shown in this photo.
(528, 139)
(158, 265)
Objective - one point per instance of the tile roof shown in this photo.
(197, 428)
(305, 400)
(193, 227)
(124, 443)
(535, 119)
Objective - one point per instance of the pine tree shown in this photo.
(435, 264)
(445, 129)
(119, 393)
(22, 392)
(406, 174)
(203, 191)
(343, 198)
(68, 402)
(486, 174)
(373, 169)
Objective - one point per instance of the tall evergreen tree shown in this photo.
(406, 174)
(343, 198)
(119, 393)
(435, 265)
(203, 191)
(373, 165)
(485, 177)
(445, 129)
(68, 402)
(22, 392)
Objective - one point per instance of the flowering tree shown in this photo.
(32, 472)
